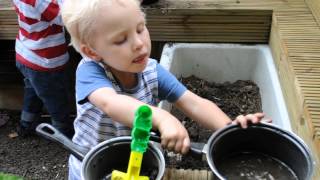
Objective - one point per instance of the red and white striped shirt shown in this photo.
(40, 43)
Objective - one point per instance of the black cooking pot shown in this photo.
(264, 139)
(99, 162)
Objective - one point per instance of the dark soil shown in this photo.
(37, 158)
(31, 157)
(254, 166)
(240, 97)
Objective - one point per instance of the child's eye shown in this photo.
(120, 41)
(140, 29)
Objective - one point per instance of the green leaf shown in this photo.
(4, 176)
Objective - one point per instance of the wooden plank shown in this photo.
(198, 22)
(8, 22)
(5, 4)
(274, 42)
(194, 25)
(224, 4)
(314, 5)
(295, 38)
(187, 174)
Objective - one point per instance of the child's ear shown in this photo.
(86, 50)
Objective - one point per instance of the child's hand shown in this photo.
(174, 136)
(253, 118)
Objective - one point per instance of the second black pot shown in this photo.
(263, 139)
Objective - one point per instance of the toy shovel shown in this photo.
(140, 138)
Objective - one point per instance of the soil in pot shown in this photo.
(248, 166)
(240, 97)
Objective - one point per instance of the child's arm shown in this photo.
(121, 108)
(202, 110)
(209, 114)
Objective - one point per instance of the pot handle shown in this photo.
(49, 132)
(197, 149)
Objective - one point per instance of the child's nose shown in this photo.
(138, 42)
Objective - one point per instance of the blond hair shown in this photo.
(80, 18)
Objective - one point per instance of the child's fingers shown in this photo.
(259, 115)
(268, 120)
(185, 146)
(242, 121)
(171, 145)
(253, 118)
(178, 146)
(164, 142)
(261, 118)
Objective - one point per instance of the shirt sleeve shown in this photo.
(90, 77)
(169, 88)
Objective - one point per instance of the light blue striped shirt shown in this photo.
(93, 126)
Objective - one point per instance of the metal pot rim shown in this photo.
(262, 125)
(120, 139)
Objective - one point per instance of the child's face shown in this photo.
(122, 40)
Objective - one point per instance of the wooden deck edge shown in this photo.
(187, 174)
(314, 5)
(294, 94)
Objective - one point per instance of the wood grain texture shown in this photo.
(314, 5)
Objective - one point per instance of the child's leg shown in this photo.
(52, 88)
(32, 105)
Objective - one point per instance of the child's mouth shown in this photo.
(141, 59)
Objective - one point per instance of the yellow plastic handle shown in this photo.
(133, 169)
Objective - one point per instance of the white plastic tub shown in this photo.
(230, 62)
